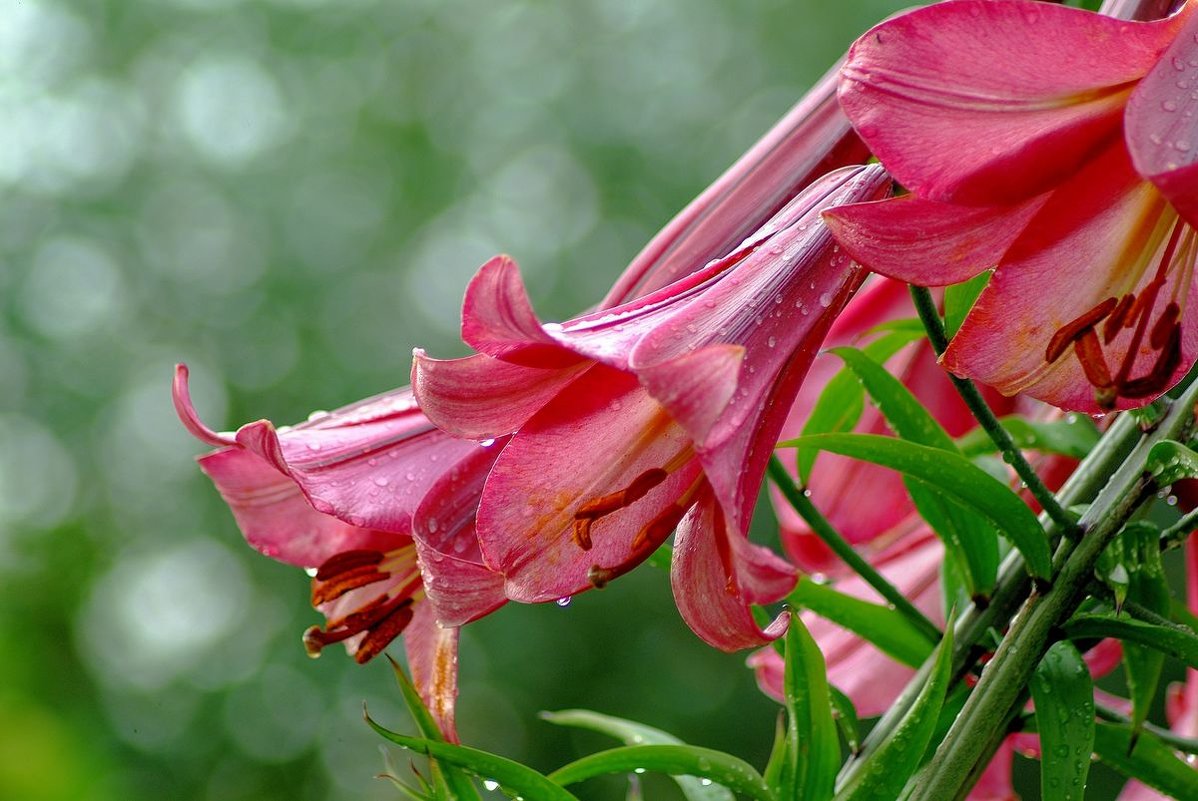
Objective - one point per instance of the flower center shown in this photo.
(1161, 331)
(379, 613)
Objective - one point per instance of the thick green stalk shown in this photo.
(975, 624)
(928, 314)
(841, 547)
(972, 737)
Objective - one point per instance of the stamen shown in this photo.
(604, 505)
(1162, 371)
(346, 571)
(383, 633)
(332, 589)
(1115, 323)
(378, 615)
(347, 560)
(659, 528)
(1089, 353)
(1072, 330)
(1162, 329)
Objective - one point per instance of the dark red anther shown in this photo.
(1157, 380)
(1072, 330)
(604, 505)
(1115, 323)
(1162, 329)
(1089, 353)
(347, 560)
(383, 632)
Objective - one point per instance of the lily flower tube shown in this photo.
(655, 414)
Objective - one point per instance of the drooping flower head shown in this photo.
(378, 505)
(1056, 146)
(655, 414)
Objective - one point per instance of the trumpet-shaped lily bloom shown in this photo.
(378, 504)
(655, 414)
(1055, 146)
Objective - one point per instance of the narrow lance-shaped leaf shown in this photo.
(733, 773)
(447, 781)
(840, 404)
(954, 476)
(846, 719)
(959, 299)
(1148, 588)
(1170, 640)
(633, 733)
(1170, 461)
(1064, 698)
(880, 625)
(896, 759)
(816, 751)
(1074, 436)
(513, 776)
(1143, 757)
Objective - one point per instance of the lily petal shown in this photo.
(276, 518)
(456, 582)
(972, 102)
(433, 659)
(452, 391)
(594, 441)
(1160, 126)
(1081, 249)
(716, 574)
(928, 243)
(697, 387)
(498, 320)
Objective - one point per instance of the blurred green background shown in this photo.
(289, 196)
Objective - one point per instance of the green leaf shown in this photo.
(1147, 587)
(846, 719)
(887, 770)
(1170, 461)
(1173, 641)
(1073, 436)
(880, 625)
(954, 476)
(513, 776)
(959, 299)
(814, 752)
(841, 403)
(1142, 756)
(779, 772)
(633, 733)
(906, 415)
(1064, 698)
(735, 774)
(970, 540)
(447, 781)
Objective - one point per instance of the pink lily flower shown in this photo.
(1056, 146)
(655, 414)
(378, 505)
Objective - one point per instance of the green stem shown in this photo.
(971, 738)
(841, 547)
(1186, 745)
(1177, 533)
(928, 314)
(977, 624)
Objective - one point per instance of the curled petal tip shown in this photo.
(181, 397)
